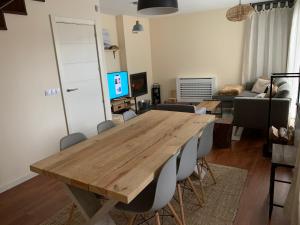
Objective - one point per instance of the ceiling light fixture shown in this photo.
(137, 27)
(240, 12)
(157, 7)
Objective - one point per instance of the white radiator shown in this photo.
(194, 88)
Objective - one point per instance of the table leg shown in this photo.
(221, 106)
(90, 206)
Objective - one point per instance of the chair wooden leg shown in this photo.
(73, 207)
(157, 219)
(179, 191)
(131, 219)
(209, 170)
(178, 220)
(195, 191)
(200, 181)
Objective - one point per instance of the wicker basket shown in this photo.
(240, 12)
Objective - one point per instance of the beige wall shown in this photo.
(203, 43)
(136, 49)
(32, 124)
(109, 22)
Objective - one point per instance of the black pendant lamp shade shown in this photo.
(157, 7)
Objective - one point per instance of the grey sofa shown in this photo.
(252, 112)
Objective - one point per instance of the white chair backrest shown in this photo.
(71, 139)
(129, 115)
(187, 159)
(165, 185)
(206, 140)
(105, 125)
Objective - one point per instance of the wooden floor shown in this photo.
(38, 199)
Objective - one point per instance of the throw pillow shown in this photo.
(279, 81)
(283, 91)
(260, 86)
(274, 90)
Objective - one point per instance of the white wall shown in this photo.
(109, 22)
(203, 43)
(32, 124)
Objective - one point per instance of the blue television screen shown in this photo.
(117, 84)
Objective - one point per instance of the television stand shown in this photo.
(120, 105)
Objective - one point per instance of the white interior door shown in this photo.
(77, 55)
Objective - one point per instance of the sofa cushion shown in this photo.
(283, 91)
(248, 94)
(279, 81)
(260, 86)
(231, 90)
(249, 85)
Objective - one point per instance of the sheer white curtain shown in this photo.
(266, 43)
(292, 206)
(293, 65)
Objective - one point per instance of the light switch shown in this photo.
(52, 92)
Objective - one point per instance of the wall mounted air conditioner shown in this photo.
(195, 88)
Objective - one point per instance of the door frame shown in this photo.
(66, 20)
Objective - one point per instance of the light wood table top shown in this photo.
(122, 161)
(210, 106)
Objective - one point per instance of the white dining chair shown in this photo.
(204, 147)
(66, 142)
(105, 125)
(187, 162)
(156, 196)
(128, 115)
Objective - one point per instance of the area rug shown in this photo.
(220, 208)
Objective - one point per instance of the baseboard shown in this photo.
(16, 182)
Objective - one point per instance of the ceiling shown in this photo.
(125, 7)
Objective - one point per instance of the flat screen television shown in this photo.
(138, 83)
(118, 84)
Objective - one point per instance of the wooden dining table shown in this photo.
(119, 163)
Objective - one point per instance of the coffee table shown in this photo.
(223, 132)
(211, 107)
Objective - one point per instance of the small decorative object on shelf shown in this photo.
(114, 49)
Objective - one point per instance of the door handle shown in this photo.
(73, 89)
